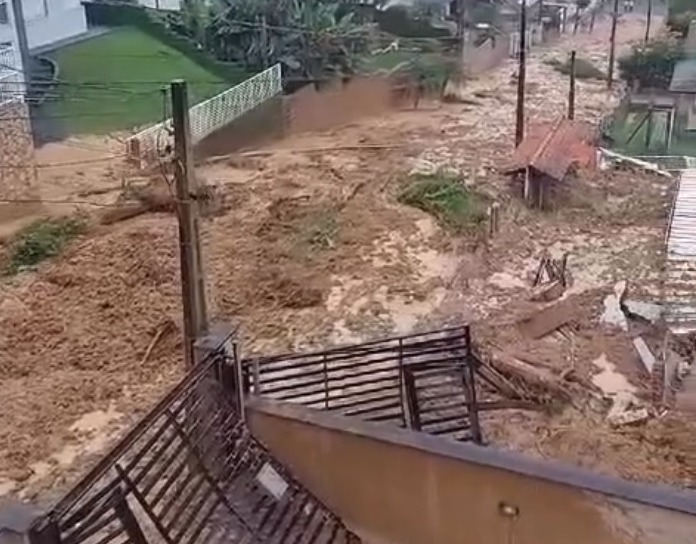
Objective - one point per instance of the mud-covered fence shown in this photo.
(190, 473)
(423, 381)
(207, 117)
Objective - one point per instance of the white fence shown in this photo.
(11, 88)
(208, 116)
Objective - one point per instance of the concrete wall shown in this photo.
(400, 487)
(304, 111)
(338, 104)
(488, 55)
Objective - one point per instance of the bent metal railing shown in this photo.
(423, 381)
(190, 472)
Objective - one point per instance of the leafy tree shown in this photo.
(678, 23)
(312, 38)
(651, 65)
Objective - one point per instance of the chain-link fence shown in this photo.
(208, 116)
(11, 89)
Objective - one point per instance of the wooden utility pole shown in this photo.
(612, 45)
(264, 40)
(192, 281)
(647, 23)
(592, 20)
(461, 35)
(571, 90)
(522, 75)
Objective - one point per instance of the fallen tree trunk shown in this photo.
(539, 384)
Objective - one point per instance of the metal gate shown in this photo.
(423, 381)
(188, 473)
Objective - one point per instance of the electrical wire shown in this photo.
(60, 164)
(49, 201)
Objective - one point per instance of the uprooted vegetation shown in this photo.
(443, 195)
(584, 69)
(42, 240)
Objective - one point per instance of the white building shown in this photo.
(47, 22)
(168, 5)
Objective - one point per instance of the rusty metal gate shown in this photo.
(188, 473)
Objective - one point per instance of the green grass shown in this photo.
(128, 57)
(41, 240)
(444, 197)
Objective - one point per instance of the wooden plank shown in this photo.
(547, 320)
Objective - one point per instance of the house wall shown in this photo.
(51, 21)
(402, 487)
(48, 22)
(171, 5)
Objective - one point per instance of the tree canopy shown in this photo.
(313, 39)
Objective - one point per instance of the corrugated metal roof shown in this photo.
(551, 148)
(680, 281)
(684, 77)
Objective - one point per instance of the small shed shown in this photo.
(547, 153)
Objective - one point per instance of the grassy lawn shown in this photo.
(125, 70)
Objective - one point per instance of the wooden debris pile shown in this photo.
(551, 279)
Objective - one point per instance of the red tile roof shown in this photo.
(551, 148)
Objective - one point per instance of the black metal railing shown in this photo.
(423, 381)
(190, 472)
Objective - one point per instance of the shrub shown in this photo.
(678, 23)
(651, 65)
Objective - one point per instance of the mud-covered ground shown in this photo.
(314, 249)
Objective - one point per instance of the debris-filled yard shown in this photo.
(378, 227)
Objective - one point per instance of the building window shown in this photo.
(4, 13)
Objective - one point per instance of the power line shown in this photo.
(49, 201)
(66, 116)
(59, 164)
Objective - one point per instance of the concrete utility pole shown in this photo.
(192, 280)
(647, 23)
(571, 90)
(522, 75)
(612, 45)
(22, 41)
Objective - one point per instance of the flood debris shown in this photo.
(638, 309)
(646, 356)
(626, 411)
(551, 279)
(542, 322)
(613, 315)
